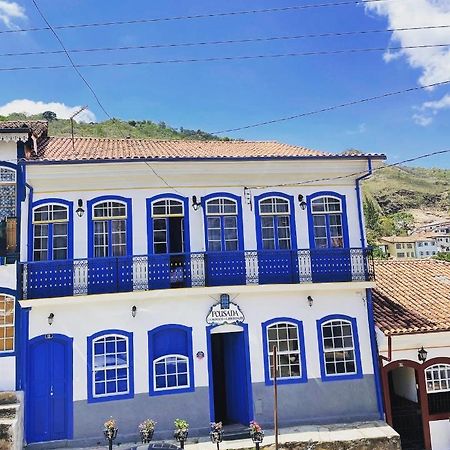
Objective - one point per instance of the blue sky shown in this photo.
(219, 95)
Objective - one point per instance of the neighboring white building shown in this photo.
(426, 245)
(412, 313)
(156, 277)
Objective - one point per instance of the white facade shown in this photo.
(426, 248)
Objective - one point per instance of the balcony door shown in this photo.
(330, 255)
(168, 262)
(225, 259)
(277, 262)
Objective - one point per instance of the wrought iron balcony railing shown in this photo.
(164, 271)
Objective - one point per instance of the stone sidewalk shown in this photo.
(375, 435)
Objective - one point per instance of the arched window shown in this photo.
(110, 228)
(222, 224)
(111, 360)
(287, 336)
(437, 378)
(168, 226)
(327, 222)
(275, 216)
(7, 305)
(50, 232)
(7, 193)
(170, 359)
(339, 347)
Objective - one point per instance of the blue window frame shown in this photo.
(286, 334)
(51, 230)
(275, 222)
(110, 226)
(7, 323)
(110, 366)
(340, 357)
(223, 222)
(327, 220)
(171, 367)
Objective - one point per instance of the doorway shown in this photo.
(230, 380)
(406, 407)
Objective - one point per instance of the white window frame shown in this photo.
(220, 202)
(105, 368)
(176, 373)
(110, 205)
(283, 352)
(439, 379)
(326, 203)
(168, 204)
(274, 201)
(331, 323)
(5, 326)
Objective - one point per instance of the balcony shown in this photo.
(166, 271)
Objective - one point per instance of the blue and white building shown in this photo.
(152, 279)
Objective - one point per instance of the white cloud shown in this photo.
(360, 129)
(9, 11)
(433, 63)
(429, 109)
(62, 111)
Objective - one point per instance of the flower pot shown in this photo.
(110, 433)
(146, 436)
(180, 435)
(216, 436)
(257, 436)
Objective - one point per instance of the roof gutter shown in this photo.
(358, 199)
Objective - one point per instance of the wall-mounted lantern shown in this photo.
(195, 204)
(133, 311)
(248, 196)
(422, 355)
(301, 202)
(310, 300)
(50, 318)
(80, 210)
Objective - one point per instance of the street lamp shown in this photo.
(422, 355)
(80, 210)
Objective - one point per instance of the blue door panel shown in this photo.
(102, 275)
(50, 279)
(331, 265)
(225, 268)
(277, 267)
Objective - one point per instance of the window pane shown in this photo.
(171, 372)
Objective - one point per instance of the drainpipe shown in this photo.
(358, 198)
(388, 358)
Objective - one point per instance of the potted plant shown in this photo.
(216, 433)
(146, 430)
(181, 431)
(256, 432)
(110, 431)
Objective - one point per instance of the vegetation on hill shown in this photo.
(115, 128)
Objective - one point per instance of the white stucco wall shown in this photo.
(440, 434)
(80, 318)
(404, 380)
(7, 373)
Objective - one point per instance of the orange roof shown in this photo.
(85, 148)
(412, 296)
(37, 127)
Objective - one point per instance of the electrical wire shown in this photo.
(197, 16)
(221, 42)
(220, 58)
(331, 108)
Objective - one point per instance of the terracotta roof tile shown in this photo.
(37, 127)
(85, 148)
(412, 296)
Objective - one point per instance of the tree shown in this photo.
(372, 215)
(49, 115)
(443, 256)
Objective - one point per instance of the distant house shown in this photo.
(398, 247)
(442, 227)
(412, 316)
(426, 245)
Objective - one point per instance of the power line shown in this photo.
(229, 41)
(331, 108)
(72, 64)
(197, 16)
(351, 175)
(221, 58)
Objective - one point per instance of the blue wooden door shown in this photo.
(236, 376)
(49, 391)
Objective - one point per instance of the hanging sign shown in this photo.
(221, 313)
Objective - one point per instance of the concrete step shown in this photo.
(8, 411)
(235, 432)
(6, 426)
(8, 398)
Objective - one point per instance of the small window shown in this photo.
(340, 349)
(274, 205)
(438, 378)
(327, 221)
(221, 206)
(111, 366)
(6, 323)
(398, 246)
(409, 245)
(167, 208)
(401, 255)
(110, 210)
(171, 372)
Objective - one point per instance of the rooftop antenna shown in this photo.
(71, 124)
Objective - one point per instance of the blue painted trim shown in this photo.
(91, 203)
(12, 293)
(240, 224)
(112, 397)
(353, 323)
(293, 230)
(153, 332)
(69, 363)
(374, 348)
(228, 159)
(22, 342)
(46, 201)
(342, 198)
(358, 199)
(149, 201)
(301, 338)
(251, 411)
